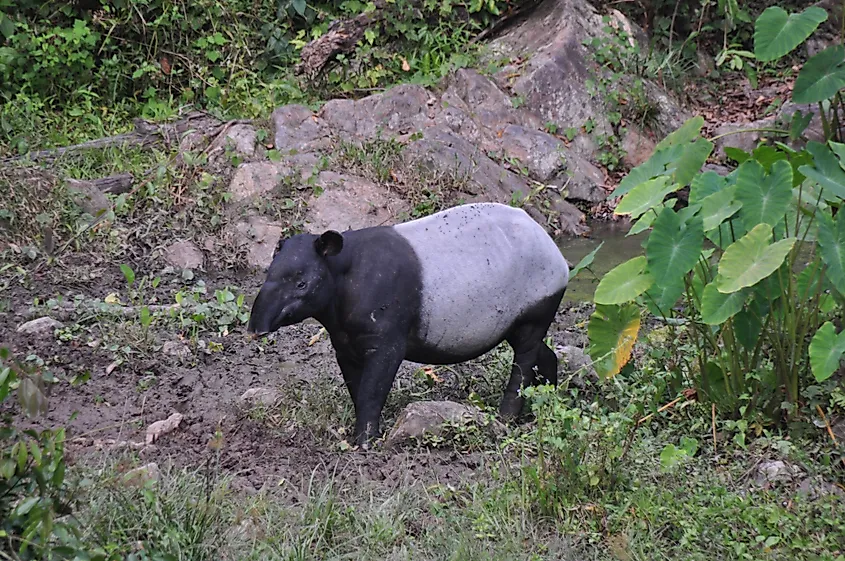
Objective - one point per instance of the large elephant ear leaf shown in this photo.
(826, 350)
(624, 282)
(752, 258)
(612, 333)
(821, 76)
(777, 33)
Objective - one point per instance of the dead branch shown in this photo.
(65, 312)
(145, 134)
(340, 38)
(114, 184)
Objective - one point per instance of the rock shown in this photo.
(582, 180)
(572, 221)
(255, 178)
(553, 80)
(184, 255)
(429, 417)
(668, 114)
(141, 476)
(90, 199)
(175, 349)
(776, 471)
(638, 147)
(41, 326)
(259, 396)
(576, 362)
(260, 236)
(814, 130)
(297, 129)
(544, 156)
(351, 202)
(402, 109)
(442, 151)
(242, 139)
(816, 487)
(160, 428)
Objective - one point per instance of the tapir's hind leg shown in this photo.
(529, 349)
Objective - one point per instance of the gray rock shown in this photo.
(184, 255)
(351, 202)
(41, 326)
(400, 110)
(260, 236)
(259, 396)
(175, 349)
(142, 475)
(242, 139)
(575, 361)
(746, 141)
(544, 156)
(582, 180)
(816, 487)
(90, 199)
(430, 417)
(638, 147)
(776, 471)
(571, 220)
(443, 151)
(255, 178)
(297, 129)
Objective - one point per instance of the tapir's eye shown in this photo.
(300, 285)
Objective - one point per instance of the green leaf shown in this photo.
(583, 264)
(624, 282)
(704, 185)
(736, 154)
(693, 158)
(832, 247)
(752, 258)
(612, 332)
(777, 33)
(689, 131)
(718, 207)
(661, 299)
(660, 163)
(689, 445)
(821, 76)
(826, 350)
(7, 26)
(748, 323)
(645, 221)
(717, 307)
(128, 273)
(799, 124)
(645, 196)
(825, 170)
(764, 197)
(299, 6)
(673, 247)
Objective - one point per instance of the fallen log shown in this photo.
(145, 135)
(114, 184)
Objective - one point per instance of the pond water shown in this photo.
(616, 249)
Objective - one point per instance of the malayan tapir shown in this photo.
(441, 289)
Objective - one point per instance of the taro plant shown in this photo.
(752, 270)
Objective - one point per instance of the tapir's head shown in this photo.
(299, 283)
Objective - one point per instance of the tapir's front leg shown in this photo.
(382, 356)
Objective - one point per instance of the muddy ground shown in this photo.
(303, 431)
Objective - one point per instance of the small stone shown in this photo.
(160, 428)
(255, 178)
(242, 138)
(260, 236)
(637, 146)
(260, 396)
(142, 475)
(40, 326)
(430, 417)
(184, 255)
(815, 487)
(776, 471)
(176, 349)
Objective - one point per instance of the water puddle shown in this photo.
(616, 249)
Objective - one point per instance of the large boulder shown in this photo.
(349, 202)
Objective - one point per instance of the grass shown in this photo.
(707, 508)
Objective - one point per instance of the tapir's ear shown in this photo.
(329, 243)
(279, 246)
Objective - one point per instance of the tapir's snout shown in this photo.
(262, 316)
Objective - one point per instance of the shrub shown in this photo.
(751, 270)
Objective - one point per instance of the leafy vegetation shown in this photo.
(750, 267)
